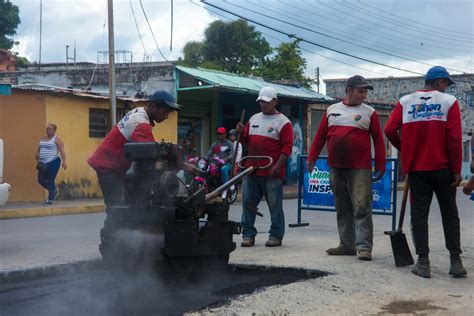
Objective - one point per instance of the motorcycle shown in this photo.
(210, 177)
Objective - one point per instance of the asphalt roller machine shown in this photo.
(160, 226)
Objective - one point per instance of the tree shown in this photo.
(234, 46)
(9, 20)
(237, 47)
(287, 64)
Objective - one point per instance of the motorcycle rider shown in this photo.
(223, 149)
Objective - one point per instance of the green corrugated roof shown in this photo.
(250, 85)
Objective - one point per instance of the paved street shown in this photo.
(357, 287)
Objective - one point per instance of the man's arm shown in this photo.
(244, 132)
(393, 125)
(210, 152)
(318, 144)
(379, 146)
(286, 139)
(454, 140)
(142, 133)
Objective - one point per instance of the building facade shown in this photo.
(82, 120)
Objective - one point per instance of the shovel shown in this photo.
(401, 251)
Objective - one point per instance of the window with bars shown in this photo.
(98, 122)
(470, 99)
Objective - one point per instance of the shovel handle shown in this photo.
(406, 188)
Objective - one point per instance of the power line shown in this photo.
(101, 48)
(302, 48)
(138, 28)
(388, 28)
(335, 38)
(343, 18)
(310, 42)
(412, 21)
(283, 14)
(151, 30)
(397, 22)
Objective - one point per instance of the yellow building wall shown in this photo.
(23, 119)
(71, 115)
(22, 124)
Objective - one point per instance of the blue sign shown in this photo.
(317, 187)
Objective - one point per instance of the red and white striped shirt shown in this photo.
(347, 130)
(268, 135)
(109, 156)
(432, 134)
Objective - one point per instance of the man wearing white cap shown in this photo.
(268, 133)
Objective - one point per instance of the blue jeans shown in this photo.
(253, 189)
(47, 178)
(225, 172)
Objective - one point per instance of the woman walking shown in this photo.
(50, 148)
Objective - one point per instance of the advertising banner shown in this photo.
(317, 187)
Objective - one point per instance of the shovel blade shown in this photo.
(401, 251)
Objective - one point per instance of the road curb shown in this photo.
(51, 211)
(49, 271)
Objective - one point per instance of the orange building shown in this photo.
(82, 121)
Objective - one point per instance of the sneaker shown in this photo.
(49, 202)
(247, 242)
(364, 255)
(422, 268)
(457, 269)
(339, 251)
(273, 242)
(224, 194)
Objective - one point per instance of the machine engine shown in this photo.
(159, 226)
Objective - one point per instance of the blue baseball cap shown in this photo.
(438, 72)
(165, 97)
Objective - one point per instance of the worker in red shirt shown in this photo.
(109, 161)
(268, 133)
(347, 128)
(431, 153)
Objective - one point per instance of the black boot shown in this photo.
(422, 267)
(456, 269)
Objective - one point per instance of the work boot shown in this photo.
(247, 242)
(339, 251)
(364, 255)
(456, 269)
(273, 242)
(422, 267)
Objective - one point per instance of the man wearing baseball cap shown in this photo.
(223, 149)
(109, 161)
(348, 128)
(431, 153)
(268, 133)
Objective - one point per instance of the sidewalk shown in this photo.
(82, 206)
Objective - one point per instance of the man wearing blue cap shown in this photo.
(109, 160)
(431, 153)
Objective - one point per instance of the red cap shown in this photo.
(221, 130)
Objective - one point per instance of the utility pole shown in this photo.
(317, 78)
(41, 28)
(113, 100)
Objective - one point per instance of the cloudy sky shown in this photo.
(410, 35)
